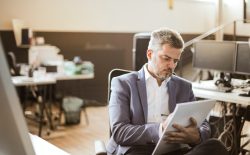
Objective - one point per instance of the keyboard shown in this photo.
(211, 87)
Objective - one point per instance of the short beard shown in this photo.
(167, 76)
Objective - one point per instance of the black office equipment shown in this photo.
(218, 56)
(243, 61)
(243, 58)
(215, 55)
(14, 68)
(140, 46)
(243, 67)
(14, 137)
(26, 36)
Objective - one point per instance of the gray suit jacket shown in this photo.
(128, 110)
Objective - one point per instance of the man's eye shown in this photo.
(166, 58)
(169, 59)
(176, 61)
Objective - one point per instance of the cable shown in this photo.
(226, 136)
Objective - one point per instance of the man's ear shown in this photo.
(149, 54)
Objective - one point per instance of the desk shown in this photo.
(45, 83)
(42, 147)
(50, 78)
(70, 77)
(29, 81)
(45, 86)
(64, 77)
(230, 97)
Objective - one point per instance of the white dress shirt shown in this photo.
(157, 97)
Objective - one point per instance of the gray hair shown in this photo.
(163, 36)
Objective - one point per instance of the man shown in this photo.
(140, 100)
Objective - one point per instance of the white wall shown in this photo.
(233, 10)
(187, 16)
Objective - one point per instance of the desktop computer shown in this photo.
(242, 65)
(217, 56)
(227, 57)
(140, 46)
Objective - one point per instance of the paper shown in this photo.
(199, 110)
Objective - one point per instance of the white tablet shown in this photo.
(199, 110)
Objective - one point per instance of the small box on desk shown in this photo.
(50, 68)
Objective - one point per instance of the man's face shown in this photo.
(162, 63)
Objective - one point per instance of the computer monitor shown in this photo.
(243, 58)
(140, 46)
(215, 55)
(14, 137)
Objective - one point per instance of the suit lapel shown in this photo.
(172, 93)
(141, 84)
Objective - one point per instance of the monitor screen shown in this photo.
(14, 137)
(140, 46)
(243, 58)
(215, 55)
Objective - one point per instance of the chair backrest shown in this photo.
(114, 73)
(11, 58)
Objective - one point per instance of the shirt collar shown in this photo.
(148, 75)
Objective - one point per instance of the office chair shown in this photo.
(114, 73)
(12, 64)
(14, 71)
(100, 148)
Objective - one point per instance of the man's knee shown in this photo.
(214, 142)
(211, 146)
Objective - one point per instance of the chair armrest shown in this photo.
(100, 148)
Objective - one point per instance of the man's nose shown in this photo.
(171, 63)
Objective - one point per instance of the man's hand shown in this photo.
(186, 135)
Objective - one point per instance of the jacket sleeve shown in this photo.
(123, 131)
(205, 131)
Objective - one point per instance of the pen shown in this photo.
(164, 115)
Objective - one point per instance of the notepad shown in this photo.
(199, 110)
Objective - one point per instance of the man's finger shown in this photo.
(179, 127)
(173, 140)
(193, 122)
(175, 134)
